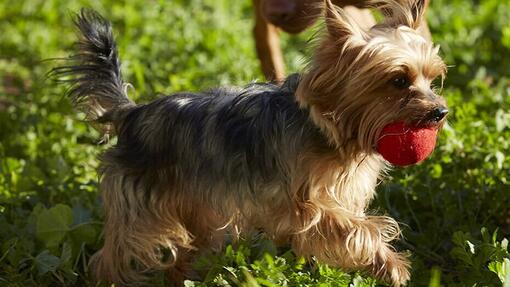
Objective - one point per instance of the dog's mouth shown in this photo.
(403, 144)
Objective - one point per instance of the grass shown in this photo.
(454, 208)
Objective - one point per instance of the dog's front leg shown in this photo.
(353, 242)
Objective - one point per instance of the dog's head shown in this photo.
(362, 80)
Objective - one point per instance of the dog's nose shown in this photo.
(438, 114)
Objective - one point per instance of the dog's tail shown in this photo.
(93, 73)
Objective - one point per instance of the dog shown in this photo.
(294, 16)
(296, 161)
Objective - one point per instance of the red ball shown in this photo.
(402, 144)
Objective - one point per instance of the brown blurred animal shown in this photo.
(294, 16)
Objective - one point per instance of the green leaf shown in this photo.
(66, 262)
(502, 269)
(53, 224)
(435, 277)
(67, 255)
(84, 233)
(46, 262)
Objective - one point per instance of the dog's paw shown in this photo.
(398, 270)
(394, 269)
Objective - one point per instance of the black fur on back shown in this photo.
(242, 137)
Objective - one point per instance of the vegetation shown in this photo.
(454, 208)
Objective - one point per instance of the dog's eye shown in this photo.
(401, 82)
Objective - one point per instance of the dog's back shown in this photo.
(231, 137)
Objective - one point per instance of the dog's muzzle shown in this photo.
(437, 114)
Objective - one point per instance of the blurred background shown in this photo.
(454, 208)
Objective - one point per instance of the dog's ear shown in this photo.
(409, 13)
(340, 26)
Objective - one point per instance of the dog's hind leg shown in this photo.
(141, 233)
(208, 229)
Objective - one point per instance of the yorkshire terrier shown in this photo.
(296, 160)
